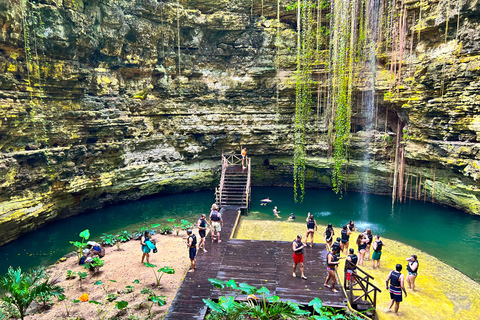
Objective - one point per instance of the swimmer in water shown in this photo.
(291, 217)
(264, 202)
(276, 212)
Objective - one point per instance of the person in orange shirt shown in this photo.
(244, 157)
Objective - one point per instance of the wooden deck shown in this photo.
(258, 263)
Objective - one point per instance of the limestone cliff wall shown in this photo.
(118, 114)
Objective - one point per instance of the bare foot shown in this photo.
(335, 290)
(304, 278)
(328, 286)
(294, 275)
(219, 241)
(191, 270)
(205, 250)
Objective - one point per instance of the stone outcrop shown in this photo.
(116, 103)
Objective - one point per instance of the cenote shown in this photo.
(446, 233)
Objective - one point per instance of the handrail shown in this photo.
(247, 189)
(232, 158)
(362, 282)
(222, 179)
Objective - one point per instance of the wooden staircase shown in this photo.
(361, 282)
(234, 189)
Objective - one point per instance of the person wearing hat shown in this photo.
(192, 249)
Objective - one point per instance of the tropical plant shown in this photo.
(70, 275)
(95, 265)
(160, 272)
(151, 296)
(186, 225)
(267, 307)
(23, 288)
(79, 246)
(124, 236)
(81, 276)
(108, 239)
(102, 311)
(166, 230)
(175, 227)
(100, 283)
(54, 290)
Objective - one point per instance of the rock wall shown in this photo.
(123, 99)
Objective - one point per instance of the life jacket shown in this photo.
(395, 278)
(328, 233)
(334, 259)
(379, 246)
(194, 241)
(410, 269)
(354, 259)
(215, 216)
(299, 244)
(311, 224)
(345, 236)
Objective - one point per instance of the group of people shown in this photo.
(365, 243)
(215, 223)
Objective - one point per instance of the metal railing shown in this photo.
(247, 189)
(360, 281)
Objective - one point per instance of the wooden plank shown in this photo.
(258, 263)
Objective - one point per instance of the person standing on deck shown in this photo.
(345, 239)
(244, 158)
(216, 222)
(202, 230)
(412, 269)
(192, 249)
(332, 263)
(297, 247)
(377, 251)
(396, 280)
(311, 228)
(328, 235)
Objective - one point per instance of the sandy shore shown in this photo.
(123, 266)
(441, 292)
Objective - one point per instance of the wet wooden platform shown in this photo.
(258, 263)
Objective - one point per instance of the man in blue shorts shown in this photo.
(192, 249)
(396, 280)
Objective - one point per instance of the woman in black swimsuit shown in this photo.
(328, 235)
(362, 245)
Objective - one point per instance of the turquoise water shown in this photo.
(448, 234)
(47, 244)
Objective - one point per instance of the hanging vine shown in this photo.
(303, 90)
(32, 24)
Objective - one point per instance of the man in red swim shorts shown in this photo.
(297, 247)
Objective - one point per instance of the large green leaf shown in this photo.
(168, 270)
(121, 305)
(317, 305)
(231, 284)
(246, 288)
(264, 291)
(98, 282)
(213, 305)
(85, 234)
(217, 283)
(149, 265)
